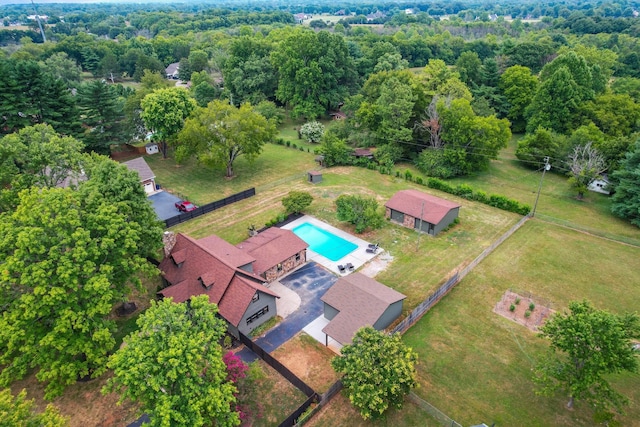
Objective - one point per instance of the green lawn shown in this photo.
(204, 185)
(476, 365)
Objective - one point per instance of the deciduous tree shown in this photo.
(519, 87)
(297, 201)
(312, 131)
(173, 367)
(587, 344)
(164, 112)
(359, 211)
(66, 258)
(585, 165)
(379, 371)
(219, 134)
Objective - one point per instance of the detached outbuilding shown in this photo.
(421, 211)
(356, 301)
(147, 177)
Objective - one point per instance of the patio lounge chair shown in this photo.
(372, 250)
(349, 266)
(342, 268)
(373, 246)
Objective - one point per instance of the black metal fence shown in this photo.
(210, 207)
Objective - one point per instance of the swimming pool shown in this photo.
(323, 242)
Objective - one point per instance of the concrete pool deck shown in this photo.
(358, 257)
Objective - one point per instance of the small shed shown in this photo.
(363, 153)
(151, 148)
(314, 177)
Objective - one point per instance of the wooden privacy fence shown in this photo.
(210, 207)
(432, 299)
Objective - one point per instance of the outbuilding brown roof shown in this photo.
(203, 273)
(415, 203)
(360, 301)
(272, 247)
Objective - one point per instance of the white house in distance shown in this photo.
(147, 177)
(600, 185)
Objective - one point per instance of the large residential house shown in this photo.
(234, 278)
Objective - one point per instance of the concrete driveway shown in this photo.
(310, 282)
(164, 204)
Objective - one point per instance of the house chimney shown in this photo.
(169, 241)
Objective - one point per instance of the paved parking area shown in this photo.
(309, 282)
(164, 204)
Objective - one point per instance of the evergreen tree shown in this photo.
(103, 112)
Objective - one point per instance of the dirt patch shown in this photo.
(377, 264)
(521, 306)
(309, 360)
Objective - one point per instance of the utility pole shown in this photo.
(44, 38)
(546, 167)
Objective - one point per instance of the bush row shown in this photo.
(281, 141)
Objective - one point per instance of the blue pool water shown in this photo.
(323, 242)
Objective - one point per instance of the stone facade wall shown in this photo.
(169, 241)
(272, 274)
(409, 221)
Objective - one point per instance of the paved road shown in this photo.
(310, 282)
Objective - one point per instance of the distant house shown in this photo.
(276, 252)
(600, 185)
(173, 71)
(213, 267)
(147, 177)
(377, 15)
(299, 18)
(421, 211)
(355, 301)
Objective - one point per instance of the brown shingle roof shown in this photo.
(411, 202)
(140, 165)
(232, 288)
(360, 301)
(224, 250)
(271, 247)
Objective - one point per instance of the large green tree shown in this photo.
(315, 71)
(35, 156)
(586, 345)
(470, 141)
(249, 75)
(379, 371)
(172, 366)
(519, 86)
(219, 134)
(103, 111)
(626, 200)
(555, 103)
(164, 112)
(66, 258)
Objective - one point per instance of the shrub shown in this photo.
(512, 307)
(359, 211)
(532, 306)
(419, 180)
(294, 145)
(517, 301)
(465, 191)
(408, 175)
(397, 174)
(297, 201)
(527, 313)
(312, 131)
(288, 143)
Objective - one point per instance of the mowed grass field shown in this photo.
(476, 365)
